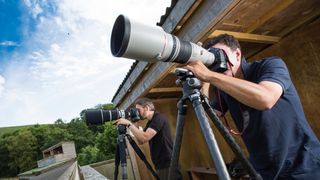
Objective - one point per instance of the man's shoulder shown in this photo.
(159, 115)
(269, 60)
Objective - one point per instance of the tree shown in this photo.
(107, 140)
(4, 158)
(80, 133)
(55, 135)
(90, 154)
(22, 151)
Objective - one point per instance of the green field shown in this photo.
(4, 130)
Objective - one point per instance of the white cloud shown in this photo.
(67, 65)
(2, 82)
(8, 43)
(34, 7)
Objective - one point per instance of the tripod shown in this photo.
(121, 154)
(191, 91)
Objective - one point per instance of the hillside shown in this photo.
(4, 130)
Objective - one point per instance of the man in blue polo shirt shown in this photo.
(267, 111)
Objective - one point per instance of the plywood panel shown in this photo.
(291, 17)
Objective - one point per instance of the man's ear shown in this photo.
(238, 54)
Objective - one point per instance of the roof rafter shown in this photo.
(248, 37)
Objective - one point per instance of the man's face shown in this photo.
(142, 110)
(233, 56)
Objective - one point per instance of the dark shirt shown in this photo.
(161, 144)
(280, 141)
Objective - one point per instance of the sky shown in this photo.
(55, 58)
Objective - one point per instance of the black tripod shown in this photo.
(121, 154)
(191, 91)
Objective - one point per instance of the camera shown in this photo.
(97, 117)
(152, 44)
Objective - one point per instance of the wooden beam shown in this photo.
(248, 37)
(165, 90)
(277, 8)
(187, 15)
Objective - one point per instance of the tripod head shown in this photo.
(122, 129)
(187, 78)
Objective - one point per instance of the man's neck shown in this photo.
(150, 115)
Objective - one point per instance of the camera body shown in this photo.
(97, 117)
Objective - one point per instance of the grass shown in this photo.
(4, 130)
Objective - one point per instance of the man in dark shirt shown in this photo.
(267, 111)
(156, 132)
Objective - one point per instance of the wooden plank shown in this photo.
(276, 9)
(134, 163)
(165, 90)
(176, 15)
(186, 16)
(207, 17)
(150, 78)
(296, 25)
(289, 19)
(248, 37)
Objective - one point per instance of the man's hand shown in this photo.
(123, 121)
(199, 70)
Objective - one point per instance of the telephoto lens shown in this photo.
(138, 41)
(98, 116)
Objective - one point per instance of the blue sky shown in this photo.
(55, 58)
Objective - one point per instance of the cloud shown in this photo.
(2, 82)
(66, 65)
(8, 43)
(34, 7)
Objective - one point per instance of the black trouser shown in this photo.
(164, 173)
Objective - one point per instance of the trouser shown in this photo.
(164, 173)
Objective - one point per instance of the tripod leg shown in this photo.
(182, 111)
(142, 156)
(116, 163)
(209, 137)
(230, 140)
(123, 159)
(122, 150)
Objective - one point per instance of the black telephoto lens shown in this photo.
(97, 117)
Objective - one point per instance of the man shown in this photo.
(267, 111)
(156, 132)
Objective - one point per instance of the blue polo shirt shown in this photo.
(280, 141)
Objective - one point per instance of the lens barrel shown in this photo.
(96, 117)
(152, 44)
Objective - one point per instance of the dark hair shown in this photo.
(225, 39)
(145, 102)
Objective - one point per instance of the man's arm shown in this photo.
(260, 96)
(141, 136)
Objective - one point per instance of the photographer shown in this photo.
(267, 111)
(156, 132)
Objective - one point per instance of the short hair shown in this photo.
(225, 39)
(145, 102)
